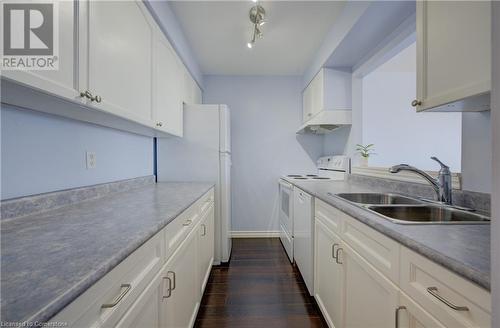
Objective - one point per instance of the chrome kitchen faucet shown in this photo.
(441, 185)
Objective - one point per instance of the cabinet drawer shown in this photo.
(421, 278)
(380, 251)
(329, 215)
(177, 230)
(103, 304)
(206, 201)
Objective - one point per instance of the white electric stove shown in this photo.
(296, 212)
(329, 168)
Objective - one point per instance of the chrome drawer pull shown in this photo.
(337, 255)
(333, 250)
(434, 292)
(173, 274)
(169, 288)
(204, 230)
(119, 298)
(188, 222)
(397, 315)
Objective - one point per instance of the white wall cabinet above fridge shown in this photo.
(326, 101)
(115, 70)
(453, 56)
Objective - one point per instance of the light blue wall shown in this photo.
(42, 153)
(265, 113)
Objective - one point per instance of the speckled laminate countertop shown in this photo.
(49, 259)
(463, 249)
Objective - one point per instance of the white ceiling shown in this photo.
(218, 32)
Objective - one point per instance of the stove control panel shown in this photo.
(337, 163)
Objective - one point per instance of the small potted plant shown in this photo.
(365, 152)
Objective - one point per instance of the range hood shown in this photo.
(326, 121)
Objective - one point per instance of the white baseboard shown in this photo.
(255, 234)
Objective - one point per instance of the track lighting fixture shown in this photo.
(257, 15)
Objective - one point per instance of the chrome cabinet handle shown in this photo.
(188, 222)
(87, 94)
(333, 250)
(416, 103)
(173, 278)
(397, 315)
(204, 230)
(119, 297)
(435, 292)
(159, 124)
(337, 255)
(169, 289)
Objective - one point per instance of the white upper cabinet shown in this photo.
(59, 82)
(329, 90)
(191, 92)
(114, 59)
(168, 103)
(120, 43)
(453, 55)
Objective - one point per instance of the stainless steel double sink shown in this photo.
(408, 210)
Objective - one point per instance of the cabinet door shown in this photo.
(411, 315)
(370, 299)
(148, 310)
(182, 269)
(61, 82)
(453, 51)
(206, 247)
(327, 275)
(307, 103)
(317, 93)
(168, 105)
(120, 48)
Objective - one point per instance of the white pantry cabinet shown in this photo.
(159, 285)
(357, 283)
(121, 67)
(62, 82)
(453, 55)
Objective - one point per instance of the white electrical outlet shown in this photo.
(91, 160)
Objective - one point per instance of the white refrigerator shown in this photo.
(203, 154)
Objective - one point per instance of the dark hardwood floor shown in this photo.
(259, 288)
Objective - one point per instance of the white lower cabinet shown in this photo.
(385, 284)
(159, 285)
(182, 296)
(370, 299)
(206, 246)
(148, 310)
(328, 275)
(412, 315)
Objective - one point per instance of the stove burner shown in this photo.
(311, 175)
(294, 176)
(300, 178)
(321, 178)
